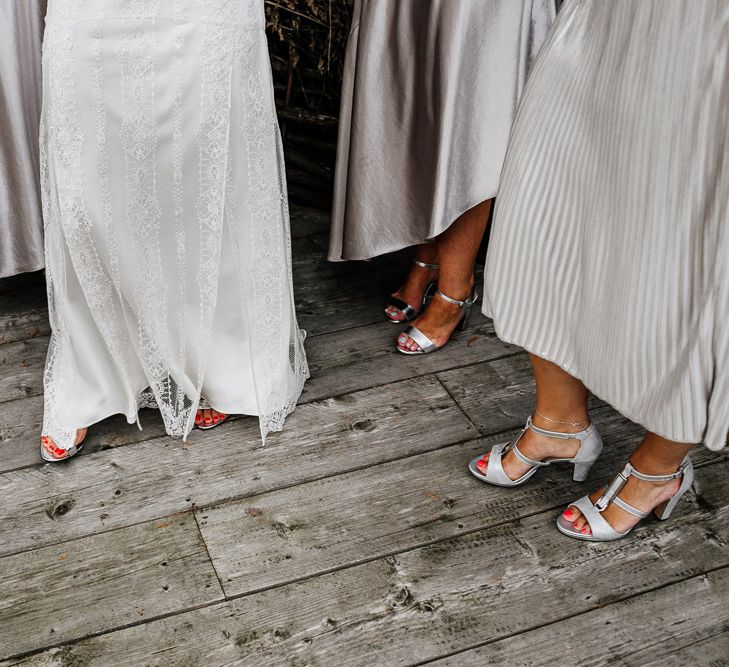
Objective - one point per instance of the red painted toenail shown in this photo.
(567, 514)
(584, 530)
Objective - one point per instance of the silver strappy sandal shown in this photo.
(204, 405)
(587, 454)
(406, 309)
(601, 530)
(427, 346)
(65, 452)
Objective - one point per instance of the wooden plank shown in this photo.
(21, 368)
(710, 652)
(495, 395)
(434, 600)
(365, 356)
(23, 307)
(162, 476)
(20, 429)
(668, 626)
(341, 362)
(293, 533)
(338, 362)
(68, 591)
(333, 296)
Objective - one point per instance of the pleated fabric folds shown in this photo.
(167, 239)
(610, 248)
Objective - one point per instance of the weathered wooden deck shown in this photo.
(355, 537)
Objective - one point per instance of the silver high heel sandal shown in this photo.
(204, 405)
(601, 530)
(427, 346)
(406, 309)
(587, 454)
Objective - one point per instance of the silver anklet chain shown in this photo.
(576, 424)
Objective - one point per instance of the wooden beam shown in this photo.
(293, 533)
(21, 368)
(680, 624)
(443, 598)
(495, 393)
(60, 593)
(159, 477)
(366, 356)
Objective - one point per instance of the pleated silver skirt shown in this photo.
(610, 250)
(21, 224)
(430, 92)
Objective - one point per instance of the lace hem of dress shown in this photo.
(271, 422)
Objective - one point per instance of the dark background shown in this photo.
(307, 40)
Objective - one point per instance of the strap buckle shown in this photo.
(612, 490)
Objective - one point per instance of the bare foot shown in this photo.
(412, 291)
(55, 452)
(640, 494)
(209, 417)
(438, 323)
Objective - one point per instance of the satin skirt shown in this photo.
(430, 92)
(610, 248)
(167, 231)
(21, 225)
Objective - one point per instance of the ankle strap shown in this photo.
(610, 494)
(630, 470)
(461, 304)
(425, 265)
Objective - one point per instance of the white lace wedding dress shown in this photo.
(167, 240)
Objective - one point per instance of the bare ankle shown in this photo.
(560, 421)
(419, 278)
(460, 290)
